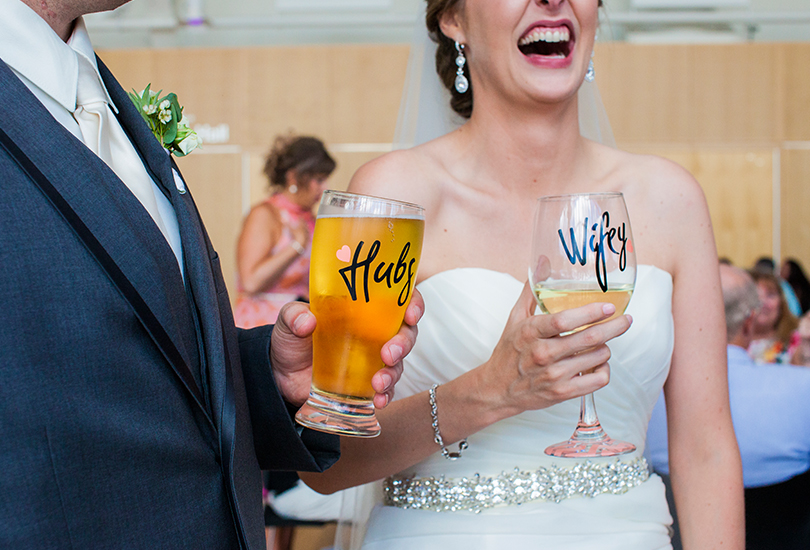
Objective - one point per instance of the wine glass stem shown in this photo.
(587, 411)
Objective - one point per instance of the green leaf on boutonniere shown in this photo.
(164, 115)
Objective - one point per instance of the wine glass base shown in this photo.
(338, 415)
(590, 442)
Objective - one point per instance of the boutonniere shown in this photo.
(164, 115)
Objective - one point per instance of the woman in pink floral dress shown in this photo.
(274, 245)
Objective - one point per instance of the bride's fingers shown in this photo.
(555, 362)
(547, 351)
(598, 334)
(586, 383)
(571, 319)
(540, 386)
(575, 376)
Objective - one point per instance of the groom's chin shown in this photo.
(96, 6)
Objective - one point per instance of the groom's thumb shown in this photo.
(295, 320)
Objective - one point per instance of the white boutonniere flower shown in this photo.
(164, 115)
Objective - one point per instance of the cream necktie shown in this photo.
(104, 136)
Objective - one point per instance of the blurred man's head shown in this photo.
(741, 301)
(764, 265)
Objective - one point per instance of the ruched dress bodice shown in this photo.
(465, 313)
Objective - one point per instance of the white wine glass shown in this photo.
(582, 252)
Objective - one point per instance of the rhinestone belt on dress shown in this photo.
(476, 493)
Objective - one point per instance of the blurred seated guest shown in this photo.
(767, 266)
(801, 355)
(771, 415)
(772, 337)
(792, 272)
(272, 255)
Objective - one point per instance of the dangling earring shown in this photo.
(293, 189)
(589, 74)
(461, 84)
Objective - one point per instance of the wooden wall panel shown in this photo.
(343, 94)
(366, 90)
(134, 69)
(795, 195)
(710, 108)
(259, 185)
(288, 89)
(715, 94)
(735, 93)
(210, 83)
(215, 182)
(646, 91)
(796, 89)
(737, 186)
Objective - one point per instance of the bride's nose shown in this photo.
(551, 3)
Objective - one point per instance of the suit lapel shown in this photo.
(197, 254)
(153, 155)
(218, 332)
(219, 353)
(111, 212)
(198, 257)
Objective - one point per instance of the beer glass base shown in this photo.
(339, 415)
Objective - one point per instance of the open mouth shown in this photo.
(553, 42)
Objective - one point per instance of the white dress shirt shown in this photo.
(49, 67)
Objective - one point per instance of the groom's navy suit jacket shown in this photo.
(105, 440)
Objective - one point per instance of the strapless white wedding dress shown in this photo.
(466, 310)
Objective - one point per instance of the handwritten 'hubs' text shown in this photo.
(390, 273)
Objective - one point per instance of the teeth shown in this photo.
(541, 34)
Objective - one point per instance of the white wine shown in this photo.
(561, 295)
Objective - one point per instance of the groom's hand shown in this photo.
(291, 352)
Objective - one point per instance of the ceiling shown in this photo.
(224, 23)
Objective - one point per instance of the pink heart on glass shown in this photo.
(344, 254)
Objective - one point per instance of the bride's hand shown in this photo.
(535, 366)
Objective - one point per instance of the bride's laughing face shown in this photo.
(537, 49)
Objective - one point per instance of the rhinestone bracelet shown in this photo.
(437, 436)
(476, 493)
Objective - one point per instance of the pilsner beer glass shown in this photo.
(365, 253)
(582, 252)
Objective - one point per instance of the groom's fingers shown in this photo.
(415, 309)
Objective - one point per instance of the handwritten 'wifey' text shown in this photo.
(390, 273)
(601, 234)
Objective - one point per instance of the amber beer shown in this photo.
(365, 255)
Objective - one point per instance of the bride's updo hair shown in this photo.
(446, 55)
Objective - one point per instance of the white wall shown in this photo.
(158, 23)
